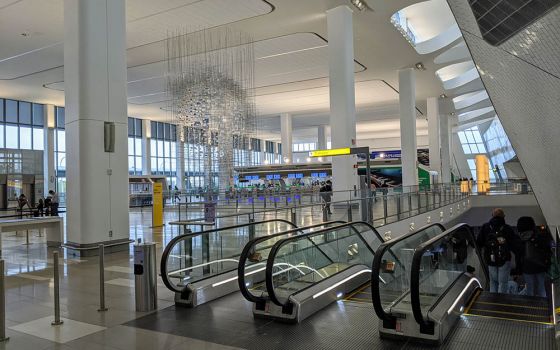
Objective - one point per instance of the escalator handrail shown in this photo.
(279, 244)
(169, 247)
(376, 266)
(415, 270)
(245, 255)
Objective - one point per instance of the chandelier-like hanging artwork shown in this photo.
(210, 86)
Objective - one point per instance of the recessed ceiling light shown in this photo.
(359, 4)
(443, 96)
(420, 66)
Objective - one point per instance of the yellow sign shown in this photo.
(330, 152)
(157, 204)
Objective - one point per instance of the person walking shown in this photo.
(498, 241)
(40, 207)
(54, 203)
(326, 195)
(536, 255)
(22, 201)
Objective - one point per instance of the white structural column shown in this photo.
(286, 137)
(342, 98)
(146, 147)
(322, 137)
(180, 159)
(444, 132)
(433, 135)
(95, 92)
(407, 102)
(49, 174)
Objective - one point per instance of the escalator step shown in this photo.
(511, 307)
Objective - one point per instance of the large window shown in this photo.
(135, 146)
(21, 125)
(471, 140)
(60, 153)
(499, 147)
(163, 151)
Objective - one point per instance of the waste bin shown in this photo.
(145, 276)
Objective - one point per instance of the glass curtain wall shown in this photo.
(135, 146)
(163, 147)
(60, 154)
(499, 148)
(21, 125)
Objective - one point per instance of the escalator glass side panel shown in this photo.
(438, 263)
(298, 263)
(252, 263)
(196, 256)
(392, 266)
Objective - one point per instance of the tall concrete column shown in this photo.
(407, 103)
(342, 98)
(445, 132)
(433, 135)
(146, 147)
(322, 137)
(95, 92)
(49, 171)
(286, 137)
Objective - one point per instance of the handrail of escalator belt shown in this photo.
(279, 244)
(171, 244)
(247, 249)
(425, 324)
(376, 266)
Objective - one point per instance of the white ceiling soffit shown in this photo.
(466, 116)
(148, 22)
(459, 52)
(281, 60)
(317, 99)
(433, 24)
(458, 74)
(469, 99)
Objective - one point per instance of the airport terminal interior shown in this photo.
(279, 174)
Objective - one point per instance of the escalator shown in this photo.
(445, 299)
(202, 266)
(306, 272)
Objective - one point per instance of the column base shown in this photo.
(90, 249)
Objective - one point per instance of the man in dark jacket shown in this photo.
(498, 241)
(536, 255)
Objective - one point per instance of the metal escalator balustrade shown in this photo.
(252, 262)
(446, 272)
(202, 266)
(307, 272)
(391, 267)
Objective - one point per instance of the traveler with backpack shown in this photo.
(498, 241)
(536, 255)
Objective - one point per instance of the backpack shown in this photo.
(497, 250)
(534, 252)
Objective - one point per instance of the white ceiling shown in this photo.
(291, 66)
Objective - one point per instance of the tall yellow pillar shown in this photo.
(482, 173)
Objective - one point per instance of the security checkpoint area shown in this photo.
(279, 174)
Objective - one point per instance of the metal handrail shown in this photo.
(252, 243)
(376, 266)
(172, 242)
(281, 243)
(66, 246)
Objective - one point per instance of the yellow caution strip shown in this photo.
(509, 319)
(510, 305)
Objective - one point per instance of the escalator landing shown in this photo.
(510, 307)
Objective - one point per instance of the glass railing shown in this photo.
(193, 257)
(390, 282)
(252, 264)
(438, 263)
(297, 263)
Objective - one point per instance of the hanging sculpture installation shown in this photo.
(210, 87)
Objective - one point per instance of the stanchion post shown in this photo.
(2, 303)
(293, 212)
(349, 212)
(102, 278)
(57, 321)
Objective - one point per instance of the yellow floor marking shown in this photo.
(509, 319)
(506, 313)
(511, 305)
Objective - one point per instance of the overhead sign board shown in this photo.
(330, 152)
